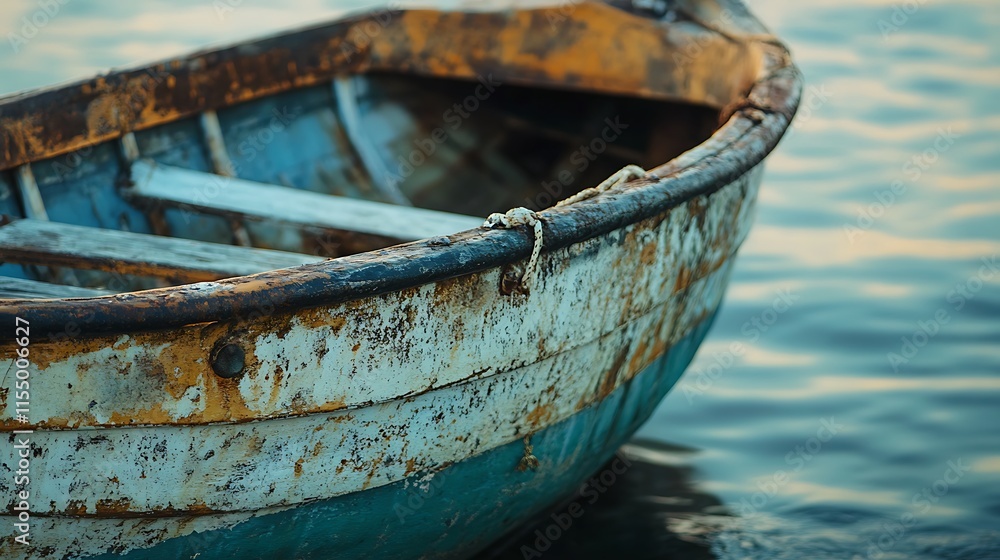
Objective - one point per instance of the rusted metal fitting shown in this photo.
(511, 280)
(228, 360)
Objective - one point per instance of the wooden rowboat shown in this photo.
(260, 313)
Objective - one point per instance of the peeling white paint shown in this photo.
(499, 368)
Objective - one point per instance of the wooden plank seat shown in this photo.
(157, 186)
(41, 242)
(21, 288)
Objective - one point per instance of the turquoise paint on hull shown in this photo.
(463, 508)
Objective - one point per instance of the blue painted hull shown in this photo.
(462, 509)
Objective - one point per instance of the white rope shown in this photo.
(623, 175)
(521, 217)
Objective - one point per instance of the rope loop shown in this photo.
(521, 217)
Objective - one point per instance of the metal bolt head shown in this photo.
(229, 360)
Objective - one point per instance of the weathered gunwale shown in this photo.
(323, 338)
(756, 124)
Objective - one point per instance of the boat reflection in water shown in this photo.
(641, 504)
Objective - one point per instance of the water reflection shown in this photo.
(653, 509)
(662, 508)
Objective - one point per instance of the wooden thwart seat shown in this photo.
(20, 288)
(157, 186)
(46, 243)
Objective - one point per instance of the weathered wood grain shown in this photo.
(54, 244)
(202, 192)
(16, 288)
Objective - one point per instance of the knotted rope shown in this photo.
(521, 217)
(524, 217)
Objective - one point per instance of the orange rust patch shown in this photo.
(199, 507)
(610, 377)
(299, 407)
(584, 56)
(109, 506)
(182, 363)
(317, 449)
(221, 397)
(339, 418)
(539, 414)
(152, 415)
(371, 473)
(649, 252)
(318, 318)
(456, 290)
(76, 507)
(638, 357)
(298, 468)
(683, 278)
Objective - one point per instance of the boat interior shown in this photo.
(360, 163)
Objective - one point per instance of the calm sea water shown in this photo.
(861, 415)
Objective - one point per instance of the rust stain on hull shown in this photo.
(324, 359)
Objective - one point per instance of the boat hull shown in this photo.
(574, 366)
(454, 512)
(614, 347)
